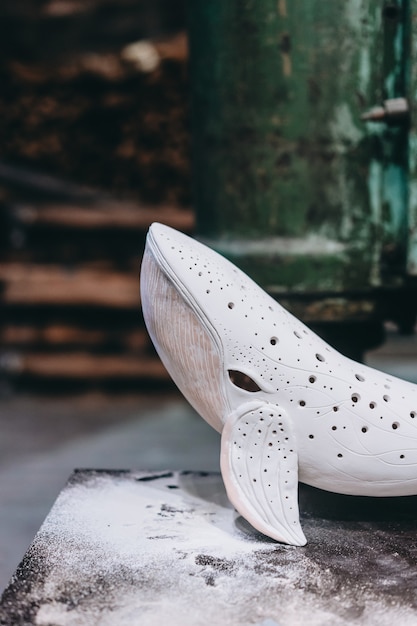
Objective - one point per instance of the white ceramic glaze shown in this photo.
(289, 406)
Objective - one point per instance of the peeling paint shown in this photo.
(375, 187)
(364, 71)
(412, 223)
(286, 64)
(282, 8)
(313, 245)
(412, 153)
(294, 159)
(342, 127)
(375, 191)
(352, 13)
(394, 185)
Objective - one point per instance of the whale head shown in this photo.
(198, 308)
(202, 313)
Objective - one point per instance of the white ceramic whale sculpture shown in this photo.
(289, 406)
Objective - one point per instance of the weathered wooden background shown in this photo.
(94, 146)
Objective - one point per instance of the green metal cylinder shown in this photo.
(290, 181)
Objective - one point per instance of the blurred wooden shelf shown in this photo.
(60, 336)
(82, 366)
(116, 215)
(25, 284)
(96, 147)
(70, 295)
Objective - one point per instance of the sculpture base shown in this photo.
(146, 549)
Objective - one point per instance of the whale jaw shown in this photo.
(185, 347)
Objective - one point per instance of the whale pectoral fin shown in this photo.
(259, 466)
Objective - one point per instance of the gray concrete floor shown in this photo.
(42, 439)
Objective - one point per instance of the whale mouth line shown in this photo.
(234, 371)
(185, 293)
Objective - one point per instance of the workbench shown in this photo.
(139, 548)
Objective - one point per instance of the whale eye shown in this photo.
(243, 381)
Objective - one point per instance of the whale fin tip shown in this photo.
(259, 464)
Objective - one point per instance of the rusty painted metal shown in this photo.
(389, 164)
(291, 182)
(412, 188)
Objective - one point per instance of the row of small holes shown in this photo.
(355, 397)
(364, 429)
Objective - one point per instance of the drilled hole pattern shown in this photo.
(337, 407)
(264, 463)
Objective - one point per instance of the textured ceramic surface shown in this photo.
(289, 406)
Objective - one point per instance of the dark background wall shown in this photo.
(94, 146)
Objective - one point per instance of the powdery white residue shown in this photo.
(134, 550)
